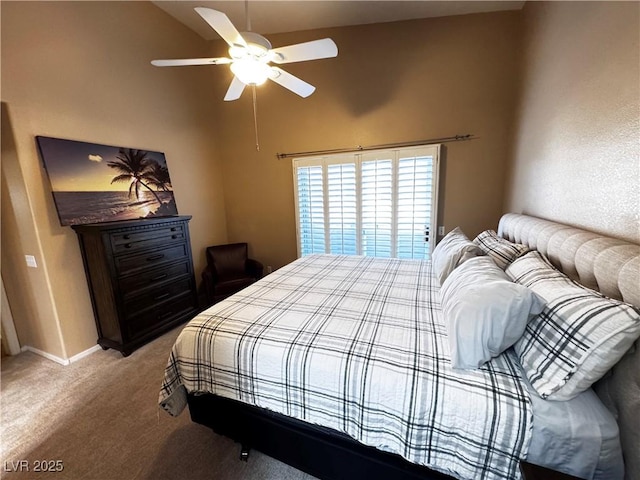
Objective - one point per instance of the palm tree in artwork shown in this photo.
(159, 177)
(136, 167)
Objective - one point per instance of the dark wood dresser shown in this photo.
(140, 275)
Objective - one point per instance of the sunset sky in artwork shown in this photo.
(74, 166)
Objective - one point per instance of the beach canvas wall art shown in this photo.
(94, 183)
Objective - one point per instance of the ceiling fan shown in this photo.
(251, 55)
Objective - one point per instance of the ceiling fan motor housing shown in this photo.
(255, 40)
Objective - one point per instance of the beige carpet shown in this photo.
(99, 417)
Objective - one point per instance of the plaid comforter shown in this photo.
(357, 344)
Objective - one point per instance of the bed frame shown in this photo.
(321, 452)
(602, 263)
(608, 265)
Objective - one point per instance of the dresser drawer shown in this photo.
(134, 305)
(125, 242)
(133, 263)
(160, 315)
(131, 285)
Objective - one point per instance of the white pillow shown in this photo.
(453, 250)
(484, 311)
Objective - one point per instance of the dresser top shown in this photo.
(130, 223)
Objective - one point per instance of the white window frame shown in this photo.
(358, 158)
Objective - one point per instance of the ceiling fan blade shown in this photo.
(190, 61)
(323, 48)
(291, 82)
(221, 24)
(235, 90)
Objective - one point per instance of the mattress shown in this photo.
(578, 436)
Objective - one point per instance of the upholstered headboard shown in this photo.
(612, 267)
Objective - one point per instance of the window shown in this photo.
(381, 203)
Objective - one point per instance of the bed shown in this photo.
(344, 366)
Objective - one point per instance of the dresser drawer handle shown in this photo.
(165, 315)
(127, 245)
(173, 229)
(173, 237)
(126, 237)
(159, 277)
(160, 297)
(155, 257)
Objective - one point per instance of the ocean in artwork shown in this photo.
(94, 207)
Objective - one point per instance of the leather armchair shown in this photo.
(228, 271)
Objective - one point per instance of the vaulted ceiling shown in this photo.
(294, 15)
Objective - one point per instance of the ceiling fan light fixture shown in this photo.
(250, 55)
(237, 52)
(250, 72)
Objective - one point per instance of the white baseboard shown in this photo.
(61, 361)
(88, 351)
(48, 356)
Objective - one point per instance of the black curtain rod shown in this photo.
(360, 148)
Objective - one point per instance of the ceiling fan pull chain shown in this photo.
(255, 116)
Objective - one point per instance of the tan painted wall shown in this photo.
(390, 83)
(27, 288)
(80, 70)
(577, 151)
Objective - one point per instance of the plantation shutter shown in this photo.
(377, 205)
(415, 205)
(381, 203)
(342, 203)
(310, 210)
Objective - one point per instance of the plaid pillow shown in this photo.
(579, 335)
(500, 249)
